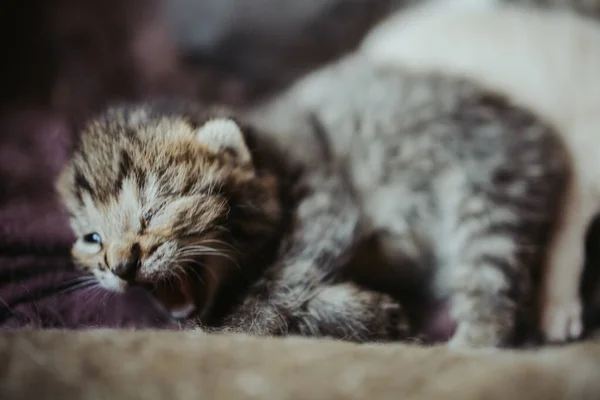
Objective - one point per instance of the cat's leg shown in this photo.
(300, 293)
(484, 254)
(343, 311)
(480, 285)
(560, 300)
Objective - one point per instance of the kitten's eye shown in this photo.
(92, 238)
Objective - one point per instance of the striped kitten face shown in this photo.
(161, 201)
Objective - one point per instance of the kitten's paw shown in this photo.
(470, 336)
(353, 313)
(561, 320)
(394, 320)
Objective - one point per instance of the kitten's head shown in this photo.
(167, 201)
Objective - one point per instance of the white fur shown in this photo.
(110, 281)
(546, 61)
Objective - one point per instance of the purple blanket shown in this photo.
(36, 274)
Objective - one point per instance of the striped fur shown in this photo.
(544, 60)
(454, 184)
(451, 183)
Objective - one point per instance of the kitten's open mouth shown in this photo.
(191, 292)
(176, 295)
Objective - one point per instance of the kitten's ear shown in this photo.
(224, 134)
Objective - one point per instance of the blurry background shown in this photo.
(78, 54)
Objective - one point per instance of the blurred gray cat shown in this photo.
(453, 182)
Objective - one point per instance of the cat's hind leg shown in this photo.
(344, 311)
(490, 238)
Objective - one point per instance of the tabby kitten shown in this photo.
(153, 194)
(452, 182)
(544, 60)
(169, 196)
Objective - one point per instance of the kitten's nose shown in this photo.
(127, 269)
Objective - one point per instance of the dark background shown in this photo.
(77, 54)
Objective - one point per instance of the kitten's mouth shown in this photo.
(191, 292)
(176, 295)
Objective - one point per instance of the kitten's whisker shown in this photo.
(202, 245)
(195, 252)
(212, 273)
(105, 298)
(207, 253)
(201, 249)
(217, 254)
(7, 306)
(177, 271)
(196, 262)
(77, 280)
(92, 295)
(197, 274)
(81, 278)
(109, 295)
(79, 286)
(213, 252)
(223, 229)
(186, 271)
(171, 283)
(97, 294)
(223, 243)
(196, 247)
